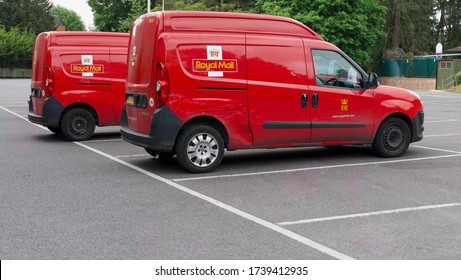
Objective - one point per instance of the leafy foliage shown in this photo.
(109, 14)
(15, 48)
(27, 15)
(354, 26)
(409, 27)
(70, 19)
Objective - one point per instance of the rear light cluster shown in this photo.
(162, 87)
(49, 81)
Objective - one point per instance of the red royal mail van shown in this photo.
(202, 82)
(78, 81)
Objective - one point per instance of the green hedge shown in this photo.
(15, 48)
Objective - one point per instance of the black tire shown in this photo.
(78, 125)
(163, 156)
(55, 130)
(392, 139)
(200, 149)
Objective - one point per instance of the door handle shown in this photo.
(315, 100)
(304, 100)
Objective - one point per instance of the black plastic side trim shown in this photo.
(52, 110)
(165, 126)
(289, 125)
(336, 125)
(286, 125)
(418, 127)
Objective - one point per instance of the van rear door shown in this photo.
(141, 99)
(40, 63)
(277, 90)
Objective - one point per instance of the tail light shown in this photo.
(49, 81)
(163, 87)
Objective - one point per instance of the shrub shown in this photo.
(15, 48)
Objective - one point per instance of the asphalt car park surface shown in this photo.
(107, 199)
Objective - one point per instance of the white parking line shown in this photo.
(303, 240)
(394, 211)
(314, 168)
(138, 155)
(436, 149)
(104, 140)
(442, 121)
(442, 135)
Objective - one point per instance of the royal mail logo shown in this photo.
(344, 106)
(207, 65)
(80, 68)
(214, 53)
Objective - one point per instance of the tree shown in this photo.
(409, 27)
(354, 26)
(110, 15)
(15, 48)
(448, 27)
(30, 15)
(118, 15)
(70, 19)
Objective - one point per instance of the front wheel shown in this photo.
(78, 125)
(200, 149)
(392, 138)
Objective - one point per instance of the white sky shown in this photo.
(80, 7)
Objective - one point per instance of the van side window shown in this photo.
(332, 69)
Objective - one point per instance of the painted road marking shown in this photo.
(138, 155)
(442, 135)
(313, 168)
(436, 149)
(102, 140)
(385, 212)
(442, 121)
(264, 223)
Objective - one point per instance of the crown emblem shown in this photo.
(86, 60)
(214, 53)
(344, 101)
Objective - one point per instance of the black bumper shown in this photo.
(52, 110)
(165, 126)
(418, 127)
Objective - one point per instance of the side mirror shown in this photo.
(372, 81)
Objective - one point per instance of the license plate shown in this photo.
(130, 100)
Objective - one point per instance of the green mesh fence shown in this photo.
(418, 67)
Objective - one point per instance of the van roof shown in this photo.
(83, 38)
(233, 22)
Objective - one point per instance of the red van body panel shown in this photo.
(78, 69)
(261, 81)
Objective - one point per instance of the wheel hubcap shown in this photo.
(393, 138)
(78, 125)
(202, 150)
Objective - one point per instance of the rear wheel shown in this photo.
(200, 149)
(78, 125)
(393, 138)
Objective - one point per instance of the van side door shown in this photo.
(342, 109)
(277, 90)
